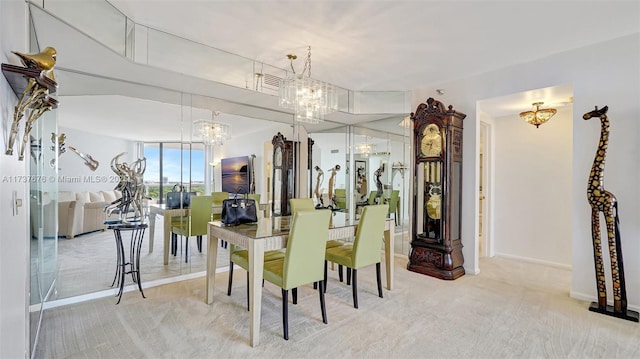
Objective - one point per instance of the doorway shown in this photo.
(483, 189)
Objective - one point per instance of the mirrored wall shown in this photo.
(105, 118)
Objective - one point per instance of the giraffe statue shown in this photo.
(604, 201)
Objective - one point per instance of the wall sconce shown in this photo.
(538, 116)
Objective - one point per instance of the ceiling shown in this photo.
(374, 45)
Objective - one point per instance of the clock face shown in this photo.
(278, 160)
(431, 144)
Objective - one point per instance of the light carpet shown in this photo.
(510, 310)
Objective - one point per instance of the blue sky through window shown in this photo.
(172, 165)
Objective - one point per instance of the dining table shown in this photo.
(168, 213)
(271, 234)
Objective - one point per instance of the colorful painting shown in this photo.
(235, 174)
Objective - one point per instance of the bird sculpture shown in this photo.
(43, 61)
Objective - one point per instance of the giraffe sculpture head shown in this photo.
(602, 113)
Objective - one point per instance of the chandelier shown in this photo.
(310, 99)
(364, 149)
(211, 132)
(538, 116)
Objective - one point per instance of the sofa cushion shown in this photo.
(109, 196)
(66, 196)
(83, 197)
(96, 197)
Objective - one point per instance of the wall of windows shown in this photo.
(173, 163)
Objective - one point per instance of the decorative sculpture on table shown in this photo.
(604, 201)
(316, 192)
(252, 188)
(361, 180)
(379, 188)
(33, 85)
(132, 187)
(334, 170)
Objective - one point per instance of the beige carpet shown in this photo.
(87, 263)
(511, 310)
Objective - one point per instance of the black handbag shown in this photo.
(177, 198)
(238, 211)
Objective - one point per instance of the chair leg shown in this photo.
(248, 291)
(325, 276)
(294, 293)
(323, 307)
(230, 278)
(199, 242)
(348, 276)
(354, 273)
(186, 250)
(285, 313)
(379, 280)
(174, 244)
(339, 273)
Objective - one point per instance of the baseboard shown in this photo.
(536, 261)
(128, 288)
(592, 298)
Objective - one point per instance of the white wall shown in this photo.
(604, 74)
(14, 255)
(74, 175)
(532, 182)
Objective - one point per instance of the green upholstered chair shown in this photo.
(196, 225)
(306, 204)
(372, 197)
(218, 197)
(303, 260)
(393, 198)
(341, 198)
(366, 247)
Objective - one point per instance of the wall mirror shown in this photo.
(142, 121)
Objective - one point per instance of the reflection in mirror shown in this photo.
(103, 117)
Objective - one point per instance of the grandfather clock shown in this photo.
(436, 247)
(283, 175)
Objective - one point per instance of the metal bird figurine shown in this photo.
(43, 61)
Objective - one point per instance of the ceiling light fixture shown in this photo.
(212, 132)
(538, 116)
(310, 99)
(365, 148)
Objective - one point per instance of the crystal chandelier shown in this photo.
(364, 149)
(538, 116)
(310, 99)
(211, 132)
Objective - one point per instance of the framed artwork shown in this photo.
(362, 184)
(235, 175)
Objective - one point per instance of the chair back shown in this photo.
(306, 246)
(341, 198)
(393, 198)
(368, 241)
(372, 197)
(218, 197)
(301, 204)
(200, 215)
(255, 197)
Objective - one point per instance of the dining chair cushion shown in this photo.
(367, 244)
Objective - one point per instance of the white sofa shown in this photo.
(83, 212)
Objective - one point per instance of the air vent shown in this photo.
(271, 80)
(335, 151)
